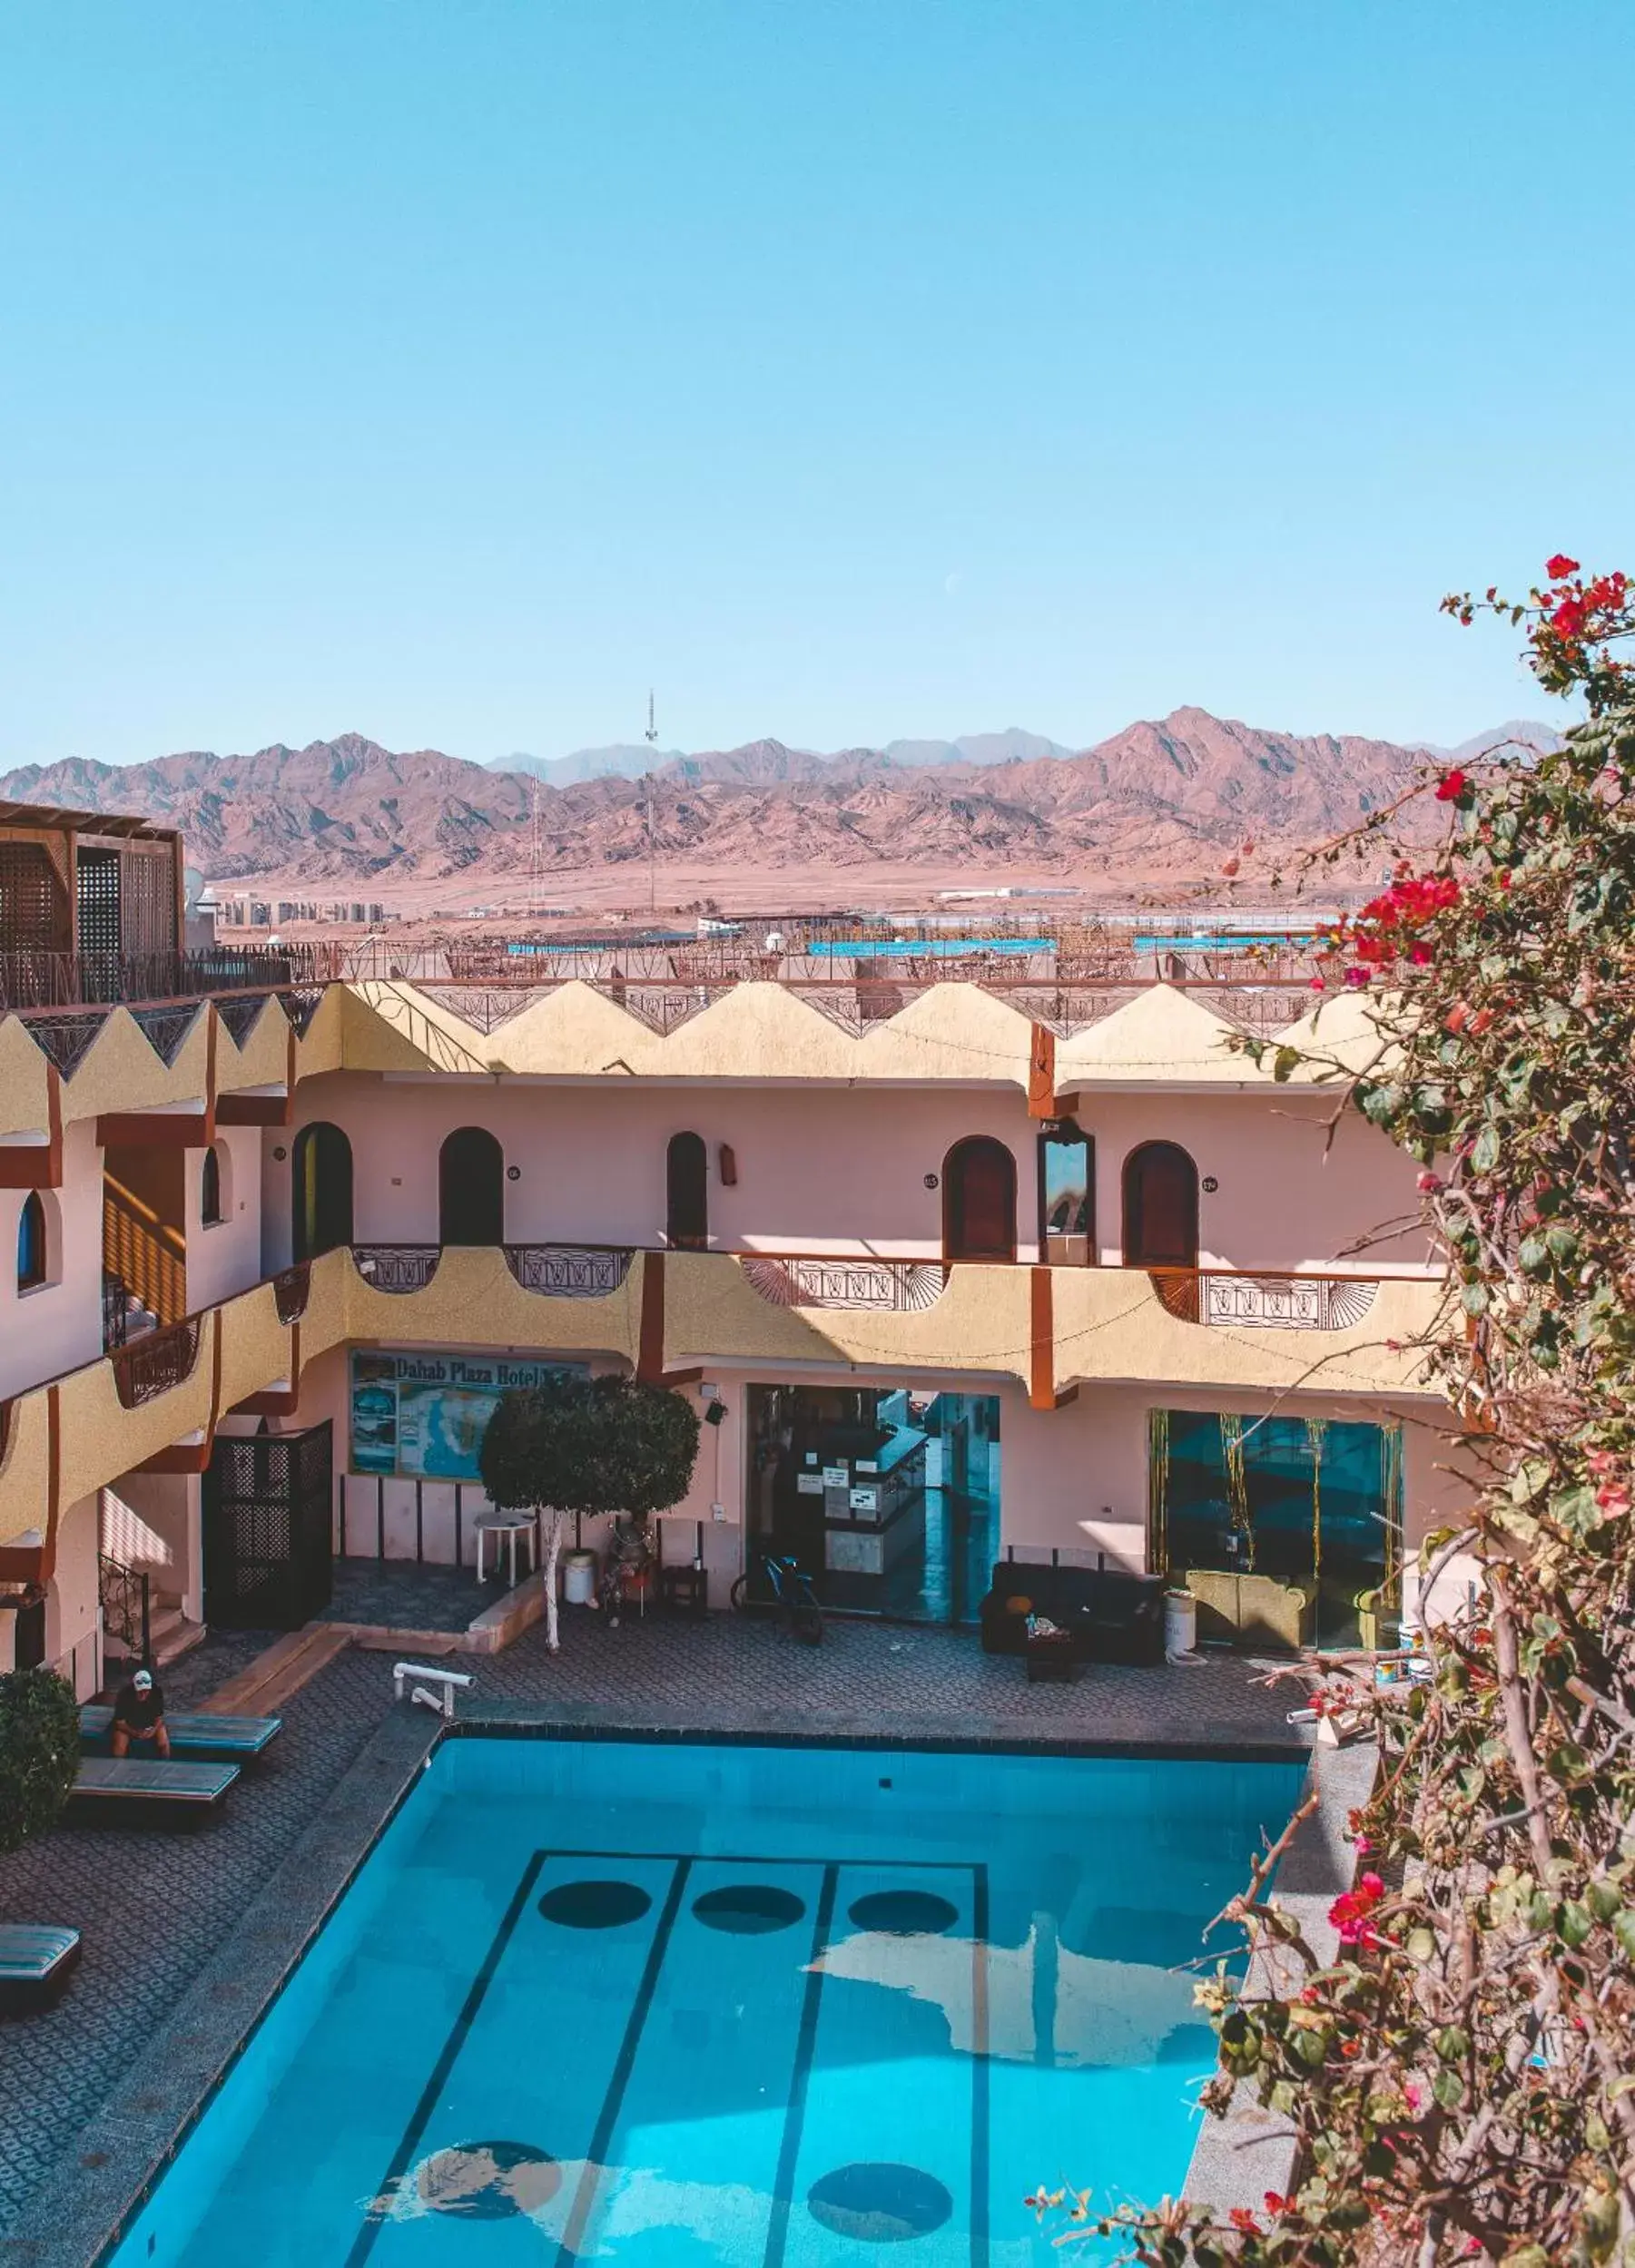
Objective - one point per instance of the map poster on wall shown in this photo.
(423, 1416)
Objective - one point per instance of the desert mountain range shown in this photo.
(1169, 798)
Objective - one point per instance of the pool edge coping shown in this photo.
(85, 2205)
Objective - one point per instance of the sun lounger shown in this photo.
(198, 1733)
(129, 1785)
(36, 1963)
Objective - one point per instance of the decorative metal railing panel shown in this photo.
(397, 1267)
(40, 979)
(154, 1363)
(1243, 1302)
(291, 1289)
(125, 1599)
(569, 1272)
(899, 1286)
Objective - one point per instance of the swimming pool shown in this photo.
(698, 2007)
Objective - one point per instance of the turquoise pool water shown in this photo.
(688, 2007)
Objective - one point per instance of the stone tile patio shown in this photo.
(157, 1906)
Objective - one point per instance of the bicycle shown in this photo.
(791, 1594)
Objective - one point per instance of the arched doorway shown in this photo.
(471, 1186)
(979, 1201)
(686, 1195)
(1160, 1207)
(321, 1190)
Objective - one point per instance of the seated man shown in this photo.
(139, 1716)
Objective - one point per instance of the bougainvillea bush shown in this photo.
(1462, 2077)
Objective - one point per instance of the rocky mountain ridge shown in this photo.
(1170, 796)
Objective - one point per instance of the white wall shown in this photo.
(58, 1326)
(73, 1608)
(226, 1259)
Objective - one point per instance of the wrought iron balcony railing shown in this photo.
(569, 1272)
(31, 979)
(397, 1267)
(899, 1286)
(157, 1361)
(1230, 1300)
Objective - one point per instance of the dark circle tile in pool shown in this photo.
(749, 1910)
(904, 1913)
(879, 2204)
(488, 2181)
(595, 1905)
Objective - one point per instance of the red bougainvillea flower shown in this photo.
(1556, 568)
(1429, 1183)
(1452, 786)
(1356, 977)
(1244, 2220)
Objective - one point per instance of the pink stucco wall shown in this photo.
(831, 1170)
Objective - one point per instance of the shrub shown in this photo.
(39, 1752)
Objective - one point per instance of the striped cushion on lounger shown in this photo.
(30, 1952)
(122, 1778)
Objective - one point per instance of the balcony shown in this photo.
(34, 979)
(1219, 1330)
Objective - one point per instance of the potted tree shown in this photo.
(578, 1446)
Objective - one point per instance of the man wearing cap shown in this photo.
(139, 1716)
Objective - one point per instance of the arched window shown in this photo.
(31, 1261)
(979, 1201)
(1067, 1196)
(471, 1186)
(321, 1173)
(1160, 1207)
(209, 1189)
(686, 1195)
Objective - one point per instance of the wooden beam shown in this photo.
(37, 1164)
(1041, 1073)
(1041, 1353)
(154, 1129)
(255, 1110)
(650, 1339)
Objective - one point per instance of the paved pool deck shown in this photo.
(188, 1933)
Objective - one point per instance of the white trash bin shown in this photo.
(1180, 1622)
(579, 1577)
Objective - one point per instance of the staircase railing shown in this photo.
(126, 1605)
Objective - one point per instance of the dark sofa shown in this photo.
(1113, 1616)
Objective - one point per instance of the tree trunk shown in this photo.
(554, 1523)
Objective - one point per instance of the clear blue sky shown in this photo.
(450, 370)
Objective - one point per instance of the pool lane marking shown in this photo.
(777, 2231)
(980, 2157)
(364, 2243)
(573, 2235)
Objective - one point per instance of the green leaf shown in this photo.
(1623, 1930)
(1484, 1154)
(1575, 1924)
(1448, 2089)
(1283, 1063)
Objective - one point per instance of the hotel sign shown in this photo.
(423, 1416)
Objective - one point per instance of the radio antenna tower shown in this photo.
(535, 855)
(652, 738)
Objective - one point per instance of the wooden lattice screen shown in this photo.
(147, 898)
(97, 881)
(33, 916)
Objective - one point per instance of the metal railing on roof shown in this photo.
(32, 979)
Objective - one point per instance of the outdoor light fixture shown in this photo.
(713, 1412)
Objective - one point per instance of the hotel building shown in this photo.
(961, 1260)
